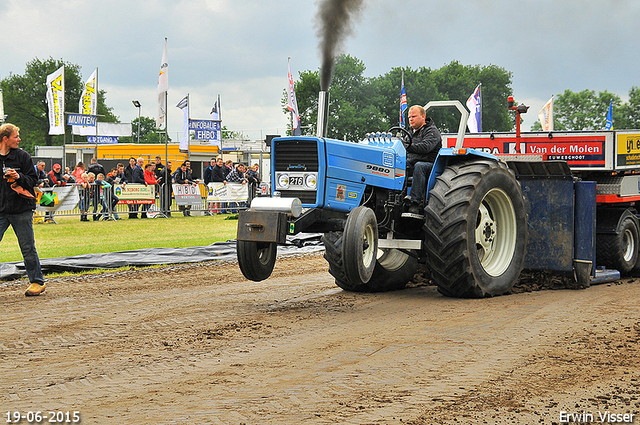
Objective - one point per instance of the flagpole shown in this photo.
(95, 153)
(401, 111)
(64, 132)
(220, 118)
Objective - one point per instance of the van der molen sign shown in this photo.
(82, 119)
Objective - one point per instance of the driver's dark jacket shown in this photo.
(425, 144)
(10, 201)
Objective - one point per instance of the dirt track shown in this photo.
(200, 344)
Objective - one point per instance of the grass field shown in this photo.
(71, 237)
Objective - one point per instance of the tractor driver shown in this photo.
(424, 146)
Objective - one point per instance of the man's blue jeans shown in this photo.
(23, 227)
(420, 172)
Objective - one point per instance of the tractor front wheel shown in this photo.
(358, 265)
(256, 259)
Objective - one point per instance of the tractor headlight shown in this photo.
(283, 181)
(311, 181)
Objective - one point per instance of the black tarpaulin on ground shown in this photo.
(301, 243)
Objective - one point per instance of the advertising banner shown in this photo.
(102, 139)
(187, 194)
(579, 150)
(135, 194)
(55, 101)
(205, 129)
(230, 192)
(628, 149)
(116, 129)
(82, 119)
(66, 198)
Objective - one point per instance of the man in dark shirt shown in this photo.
(426, 142)
(183, 176)
(17, 202)
(96, 168)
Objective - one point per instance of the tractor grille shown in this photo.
(297, 156)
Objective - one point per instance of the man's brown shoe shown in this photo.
(35, 289)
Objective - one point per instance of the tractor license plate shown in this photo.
(296, 181)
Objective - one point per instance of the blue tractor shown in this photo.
(472, 239)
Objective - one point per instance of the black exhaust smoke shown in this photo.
(334, 19)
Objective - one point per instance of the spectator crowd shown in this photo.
(96, 186)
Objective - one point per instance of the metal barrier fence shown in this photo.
(96, 202)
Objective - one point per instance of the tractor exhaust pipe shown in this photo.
(323, 114)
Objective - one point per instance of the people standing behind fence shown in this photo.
(128, 178)
(84, 192)
(116, 176)
(149, 179)
(159, 167)
(96, 168)
(254, 180)
(56, 178)
(208, 178)
(166, 189)
(219, 175)
(228, 167)
(137, 177)
(158, 173)
(94, 194)
(183, 176)
(78, 171)
(237, 176)
(43, 181)
(102, 198)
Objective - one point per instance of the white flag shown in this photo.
(292, 105)
(184, 105)
(89, 98)
(163, 88)
(215, 113)
(546, 115)
(55, 101)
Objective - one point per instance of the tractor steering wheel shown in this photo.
(406, 136)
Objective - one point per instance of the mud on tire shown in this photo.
(475, 229)
(392, 276)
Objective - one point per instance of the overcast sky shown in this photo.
(239, 48)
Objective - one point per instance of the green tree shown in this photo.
(359, 104)
(26, 106)
(627, 116)
(583, 110)
(352, 107)
(451, 82)
(148, 132)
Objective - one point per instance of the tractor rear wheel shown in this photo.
(475, 229)
(256, 259)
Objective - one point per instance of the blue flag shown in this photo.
(403, 103)
(609, 125)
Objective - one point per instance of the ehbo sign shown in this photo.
(205, 129)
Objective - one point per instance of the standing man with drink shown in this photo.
(17, 202)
